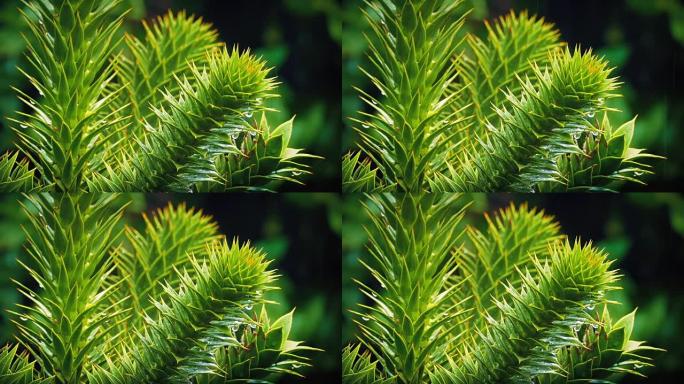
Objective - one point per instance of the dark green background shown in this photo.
(299, 232)
(643, 39)
(642, 232)
(299, 38)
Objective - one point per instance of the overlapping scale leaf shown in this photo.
(259, 158)
(219, 288)
(15, 174)
(515, 302)
(150, 259)
(231, 86)
(514, 44)
(264, 353)
(606, 160)
(503, 112)
(512, 240)
(408, 327)
(69, 56)
(15, 367)
(606, 354)
(358, 175)
(537, 319)
(538, 126)
(358, 368)
(413, 43)
(69, 238)
(148, 67)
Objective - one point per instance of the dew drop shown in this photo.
(594, 133)
(253, 133)
(248, 307)
(22, 318)
(595, 326)
(234, 136)
(296, 173)
(252, 325)
(638, 173)
(235, 327)
(590, 307)
(601, 101)
(259, 101)
(249, 113)
(296, 365)
(591, 114)
(365, 126)
(23, 126)
(364, 318)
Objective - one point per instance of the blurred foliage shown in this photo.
(299, 232)
(644, 40)
(300, 39)
(643, 233)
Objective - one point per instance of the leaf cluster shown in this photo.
(171, 110)
(173, 302)
(514, 302)
(515, 110)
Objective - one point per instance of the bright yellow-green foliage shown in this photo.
(171, 303)
(515, 302)
(166, 111)
(516, 110)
